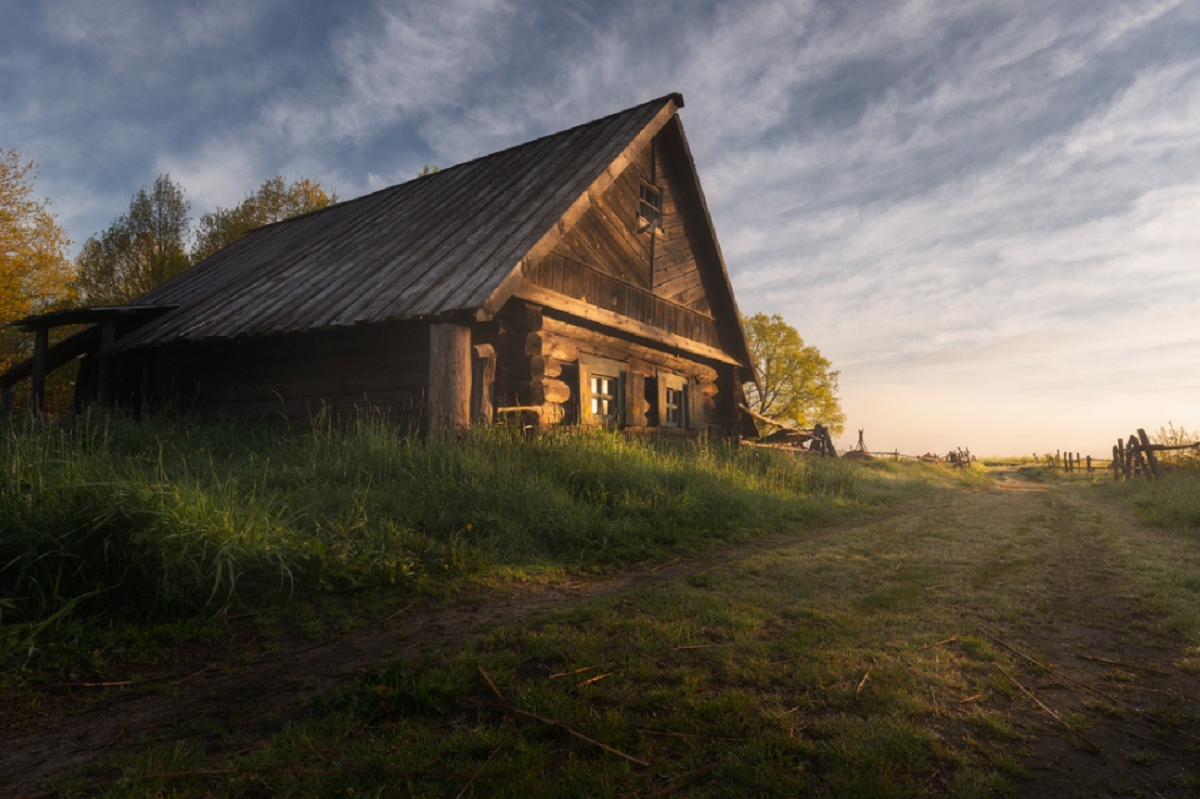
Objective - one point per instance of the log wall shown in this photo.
(377, 368)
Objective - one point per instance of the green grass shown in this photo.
(111, 522)
(1173, 501)
(751, 669)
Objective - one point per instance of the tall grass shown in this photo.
(112, 520)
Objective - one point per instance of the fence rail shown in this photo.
(1131, 457)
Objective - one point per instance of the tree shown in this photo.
(35, 273)
(274, 201)
(141, 249)
(795, 382)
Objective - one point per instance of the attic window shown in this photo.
(649, 208)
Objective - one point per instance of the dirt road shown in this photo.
(1056, 574)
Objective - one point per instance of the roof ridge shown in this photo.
(675, 96)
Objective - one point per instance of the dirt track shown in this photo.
(1081, 606)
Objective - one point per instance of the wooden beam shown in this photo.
(1151, 458)
(449, 397)
(623, 324)
(106, 394)
(37, 386)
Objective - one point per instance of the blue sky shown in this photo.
(984, 213)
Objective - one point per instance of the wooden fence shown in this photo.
(1132, 457)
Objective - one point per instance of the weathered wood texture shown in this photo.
(641, 364)
(376, 368)
(449, 404)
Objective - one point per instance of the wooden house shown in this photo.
(575, 279)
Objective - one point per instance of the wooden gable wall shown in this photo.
(606, 241)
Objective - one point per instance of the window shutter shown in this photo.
(695, 406)
(633, 392)
(585, 395)
(661, 401)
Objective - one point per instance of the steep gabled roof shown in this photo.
(446, 244)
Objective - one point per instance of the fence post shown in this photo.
(1151, 458)
(1116, 461)
(1089, 464)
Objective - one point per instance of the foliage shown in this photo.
(35, 273)
(1178, 437)
(112, 519)
(142, 248)
(795, 382)
(274, 201)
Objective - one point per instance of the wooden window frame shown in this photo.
(650, 207)
(592, 366)
(669, 382)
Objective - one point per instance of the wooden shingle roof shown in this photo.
(449, 244)
(435, 245)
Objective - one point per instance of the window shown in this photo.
(649, 208)
(673, 412)
(672, 400)
(604, 398)
(601, 391)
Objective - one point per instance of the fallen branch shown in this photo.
(691, 735)
(1146, 669)
(476, 774)
(862, 684)
(685, 781)
(552, 723)
(1049, 712)
(664, 565)
(939, 643)
(1093, 689)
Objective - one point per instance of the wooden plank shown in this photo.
(483, 379)
(1151, 458)
(37, 383)
(449, 403)
(620, 323)
(582, 340)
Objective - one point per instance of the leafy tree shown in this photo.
(795, 382)
(274, 201)
(141, 249)
(35, 273)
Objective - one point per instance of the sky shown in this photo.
(985, 213)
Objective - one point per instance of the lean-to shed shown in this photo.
(575, 279)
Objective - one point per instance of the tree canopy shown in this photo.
(795, 382)
(275, 200)
(141, 249)
(35, 272)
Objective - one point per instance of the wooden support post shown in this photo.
(1151, 458)
(1089, 464)
(483, 381)
(1116, 462)
(106, 393)
(37, 383)
(1126, 461)
(449, 397)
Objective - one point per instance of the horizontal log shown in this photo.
(556, 390)
(585, 339)
(520, 317)
(553, 368)
(583, 310)
(520, 369)
(709, 389)
(559, 349)
(510, 345)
